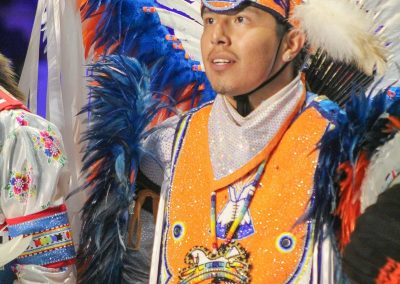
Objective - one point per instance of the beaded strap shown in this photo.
(52, 244)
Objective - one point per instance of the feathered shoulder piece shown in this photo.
(121, 107)
(345, 152)
(124, 39)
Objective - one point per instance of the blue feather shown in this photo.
(141, 35)
(354, 130)
(121, 106)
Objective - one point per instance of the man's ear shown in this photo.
(293, 43)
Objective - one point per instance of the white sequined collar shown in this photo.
(234, 140)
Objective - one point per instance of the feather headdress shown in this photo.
(344, 31)
(126, 102)
(351, 43)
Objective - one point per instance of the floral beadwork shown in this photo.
(20, 185)
(50, 145)
(21, 119)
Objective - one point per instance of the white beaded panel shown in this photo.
(234, 140)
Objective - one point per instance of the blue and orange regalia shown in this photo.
(277, 206)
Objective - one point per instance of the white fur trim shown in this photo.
(344, 31)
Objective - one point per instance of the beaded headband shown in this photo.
(281, 9)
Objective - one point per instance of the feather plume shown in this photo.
(344, 31)
(384, 163)
(383, 141)
(150, 31)
(184, 29)
(122, 110)
(334, 79)
(345, 153)
(387, 26)
(121, 107)
(191, 9)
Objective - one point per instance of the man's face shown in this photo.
(238, 49)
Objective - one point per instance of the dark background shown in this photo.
(16, 21)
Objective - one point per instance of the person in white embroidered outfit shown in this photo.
(35, 243)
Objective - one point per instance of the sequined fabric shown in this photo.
(234, 140)
(158, 147)
(137, 265)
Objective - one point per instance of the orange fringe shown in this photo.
(89, 26)
(389, 273)
(94, 170)
(89, 31)
(350, 192)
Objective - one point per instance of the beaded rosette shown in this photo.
(230, 263)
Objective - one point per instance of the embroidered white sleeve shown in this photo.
(33, 173)
(33, 177)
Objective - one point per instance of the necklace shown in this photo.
(238, 219)
(230, 261)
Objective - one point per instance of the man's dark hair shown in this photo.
(8, 78)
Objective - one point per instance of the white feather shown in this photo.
(377, 177)
(190, 9)
(386, 17)
(183, 27)
(190, 44)
(180, 23)
(387, 12)
(344, 31)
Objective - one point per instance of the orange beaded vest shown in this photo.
(268, 246)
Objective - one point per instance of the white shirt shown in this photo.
(33, 177)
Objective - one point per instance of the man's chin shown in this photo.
(224, 91)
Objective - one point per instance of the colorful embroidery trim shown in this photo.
(46, 243)
(50, 145)
(20, 185)
(21, 119)
(52, 238)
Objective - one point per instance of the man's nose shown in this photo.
(219, 36)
